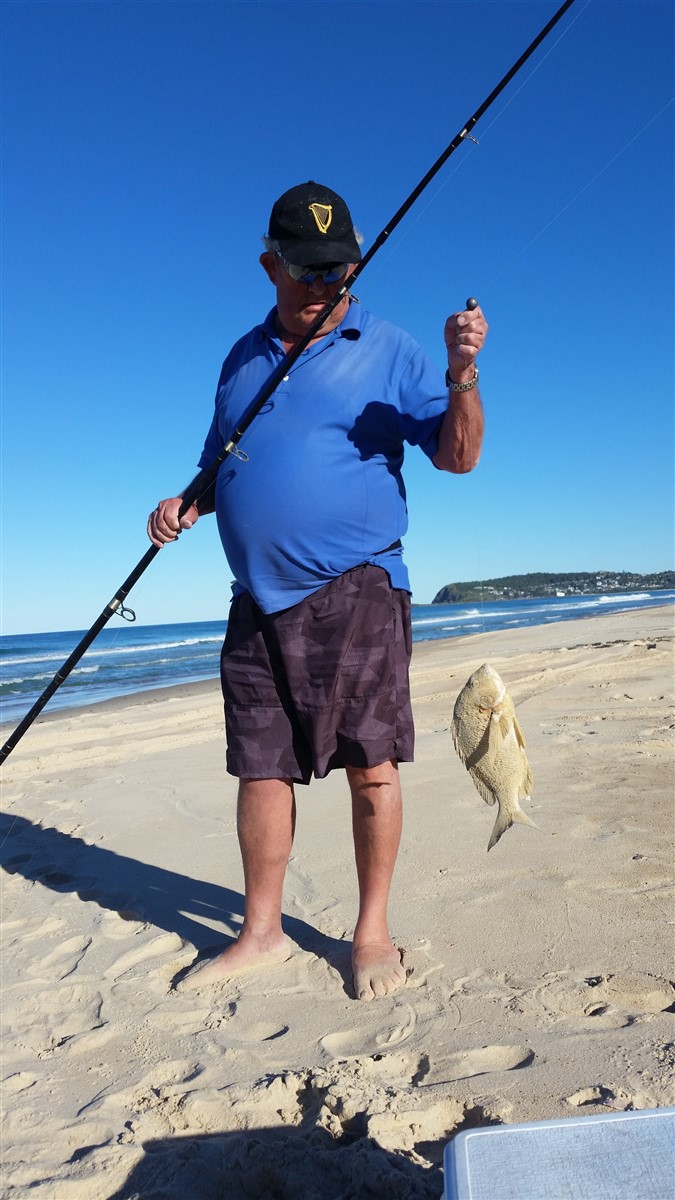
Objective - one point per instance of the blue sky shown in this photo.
(144, 144)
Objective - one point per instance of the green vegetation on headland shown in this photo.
(542, 583)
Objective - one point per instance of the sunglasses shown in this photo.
(330, 273)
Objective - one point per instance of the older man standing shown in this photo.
(315, 661)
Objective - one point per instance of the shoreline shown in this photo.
(538, 975)
(206, 686)
(114, 703)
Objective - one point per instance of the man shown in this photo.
(315, 661)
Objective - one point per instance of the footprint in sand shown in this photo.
(56, 879)
(118, 924)
(26, 929)
(51, 1019)
(379, 1033)
(191, 1019)
(599, 1094)
(20, 1081)
(166, 943)
(263, 1031)
(420, 962)
(229, 1016)
(47, 873)
(610, 1001)
(637, 994)
(161, 1089)
(11, 865)
(62, 961)
(484, 1060)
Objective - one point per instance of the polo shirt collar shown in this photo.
(349, 326)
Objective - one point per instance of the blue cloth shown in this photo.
(322, 489)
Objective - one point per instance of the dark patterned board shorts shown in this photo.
(323, 684)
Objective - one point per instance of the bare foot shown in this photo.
(243, 955)
(377, 969)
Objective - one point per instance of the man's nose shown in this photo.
(318, 286)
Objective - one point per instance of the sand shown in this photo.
(537, 975)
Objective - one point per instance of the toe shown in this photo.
(377, 978)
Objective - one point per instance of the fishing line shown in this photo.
(9, 831)
(576, 196)
(415, 220)
(482, 599)
(534, 70)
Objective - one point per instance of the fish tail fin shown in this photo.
(505, 820)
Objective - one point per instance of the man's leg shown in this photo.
(377, 820)
(265, 825)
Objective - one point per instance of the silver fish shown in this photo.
(490, 743)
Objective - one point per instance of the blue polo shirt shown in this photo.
(322, 489)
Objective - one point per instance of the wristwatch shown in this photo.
(461, 387)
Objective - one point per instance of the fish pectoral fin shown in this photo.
(495, 737)
(504, 726)
(519, 733)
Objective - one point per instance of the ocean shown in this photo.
(126, 658)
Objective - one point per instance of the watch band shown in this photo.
(461, 387)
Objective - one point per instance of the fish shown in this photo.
(490, 743)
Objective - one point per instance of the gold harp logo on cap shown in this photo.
(323, 215)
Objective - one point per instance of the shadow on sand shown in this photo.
(278, 1164)
(142, 892)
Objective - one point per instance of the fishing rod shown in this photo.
(202, 482)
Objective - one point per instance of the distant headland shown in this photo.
(542, 583)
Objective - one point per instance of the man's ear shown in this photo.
(269, 264)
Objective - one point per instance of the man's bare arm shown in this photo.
(461, 434)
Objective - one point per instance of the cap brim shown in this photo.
(305, 254)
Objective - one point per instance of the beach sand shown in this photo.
(537, 975)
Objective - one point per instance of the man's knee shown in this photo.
(382, 773)
(375, 787)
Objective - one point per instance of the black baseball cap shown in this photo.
(312, 224)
